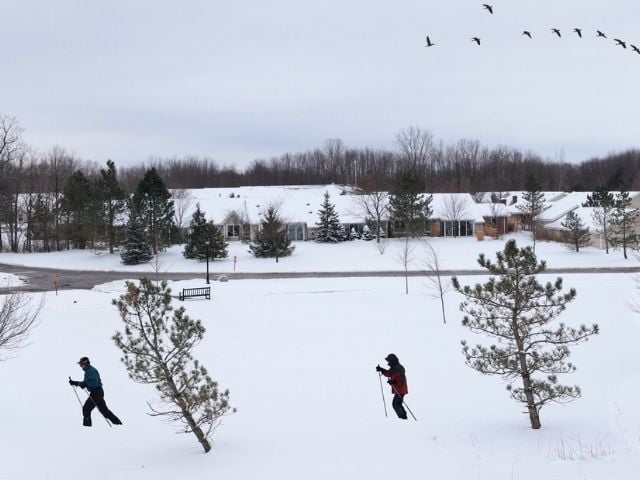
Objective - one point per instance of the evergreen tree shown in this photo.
(366, 233)
(112, 199)
(218, 247)
(272, 239)
(135, 249)
(196, 246)
(534, 204)
(157, 345)
(152, 201)
(576, 234)
(623, 222)
(328, 223)
(517, 311)
(43, 221)
(603, 204)
(80, 207)
(205, 238)
(408, 206)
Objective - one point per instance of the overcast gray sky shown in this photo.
(242, 79)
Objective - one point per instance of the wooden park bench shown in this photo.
(195, 292)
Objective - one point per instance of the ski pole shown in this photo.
(382, 393)
(75, 391)
(404, 402)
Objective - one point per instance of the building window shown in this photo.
(296, 231)
(233, 231)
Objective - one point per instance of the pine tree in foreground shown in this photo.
(135, 249)
(576, 234)
(517, 311)
(157, 345)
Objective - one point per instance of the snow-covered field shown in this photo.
(298, 357)
(10, 280)
(358, 255)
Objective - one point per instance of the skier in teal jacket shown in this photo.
(93, 383)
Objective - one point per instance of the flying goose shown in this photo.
(488, 7)
(527, 33)
(620, 42)
(475, 39)
(429, 44)
(556, 31)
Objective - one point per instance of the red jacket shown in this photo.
(397, 379)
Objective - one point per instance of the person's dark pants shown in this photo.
(397, 406)
(96, 399)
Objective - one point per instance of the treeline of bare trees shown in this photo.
(464, 166)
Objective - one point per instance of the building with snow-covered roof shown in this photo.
(455, 215)
(553, 218)
(238, 211)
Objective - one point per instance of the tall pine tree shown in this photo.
(111, 198)
(603, 203)
(408, 206)
(623, 223)
(517, 311)
(152, 202)
(80, 207)
(328, 223)
(272, 239)
(205, 239)
(534, 205)
(135, 249)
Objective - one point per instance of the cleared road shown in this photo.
(41, 279)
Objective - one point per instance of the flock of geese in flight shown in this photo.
(555, 31)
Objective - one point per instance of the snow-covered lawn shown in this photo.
(299, 358)
(10, 280)
(455, 253)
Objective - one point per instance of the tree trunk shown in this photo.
(534, 417)
(197, 431)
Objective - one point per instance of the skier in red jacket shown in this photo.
(398, 382)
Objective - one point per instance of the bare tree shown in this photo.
(61, 166)
(456, 207)
(438, 284)
(405, 256)
(415, 144)
(10, 138)
(374, 203)
(18, 315)
(497, 209)
(12, 152)
(182, 202)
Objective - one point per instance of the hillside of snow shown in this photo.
(298, 357)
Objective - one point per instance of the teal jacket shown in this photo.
(91, 378)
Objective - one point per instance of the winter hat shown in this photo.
(392, 358)
(83, 361)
